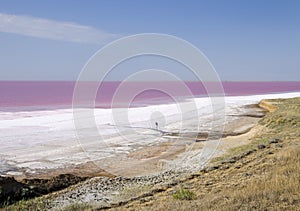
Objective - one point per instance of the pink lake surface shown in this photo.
(31, 95)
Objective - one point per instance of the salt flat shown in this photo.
(38, 141)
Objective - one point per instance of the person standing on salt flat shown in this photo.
(156, 125)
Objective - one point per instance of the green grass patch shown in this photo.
(79, 206)
(28, 204)
(184, 194)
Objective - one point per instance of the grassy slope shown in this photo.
(266, 175)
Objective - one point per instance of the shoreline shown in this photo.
(156, 155)
(162, 140)
(235, 135)
(150, 158)
(105, 187)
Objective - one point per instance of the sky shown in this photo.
(245, 40)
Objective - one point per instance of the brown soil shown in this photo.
(44, 182)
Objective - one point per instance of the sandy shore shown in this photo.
(154, 159)
(140, 160)
(25, 153)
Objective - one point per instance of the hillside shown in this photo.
(263, 175)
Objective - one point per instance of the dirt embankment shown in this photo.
(45, 182)
(12, 190)
(269, 106)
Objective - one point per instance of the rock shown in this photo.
(146, 199)
(247, 174)
(223, 167)
(200, 140)
(211, 168)
(238, 166)
(231, 160)
(261, 146)
(207, 183)
(197, 174)
(274, 140)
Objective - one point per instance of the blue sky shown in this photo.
(244, 40)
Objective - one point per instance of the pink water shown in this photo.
(27, 95)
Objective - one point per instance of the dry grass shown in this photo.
(278, 188)
(30, 204)
(79, 206)
(266, 179)
(274, 188)
(131, 192)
